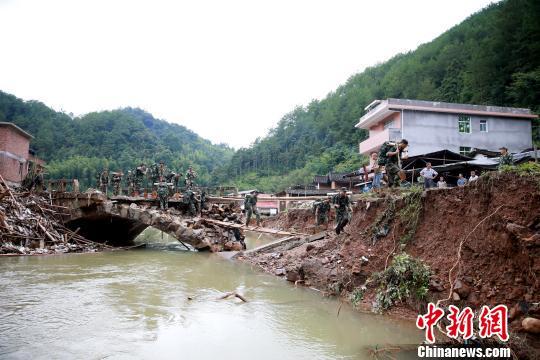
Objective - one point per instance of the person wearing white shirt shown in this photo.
(441, 184)
(473, 177)
(429, 174)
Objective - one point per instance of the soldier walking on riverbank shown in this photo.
(250, 206)
(342, 203)
(321, 209)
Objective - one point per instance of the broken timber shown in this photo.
(251, 228)
(288, 243)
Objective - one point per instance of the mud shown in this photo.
(497, 219)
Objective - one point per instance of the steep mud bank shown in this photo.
(496, 220)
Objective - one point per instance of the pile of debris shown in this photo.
(30, 225)
(224, 212)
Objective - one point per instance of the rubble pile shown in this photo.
(31, 225)
(224, 212)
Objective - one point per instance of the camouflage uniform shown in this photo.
(163, 195)
(506, 160)
(250, 206)
(190, 177)
(140, 171)
(343, 211)
(116, 182)
(203, 200)
(390, 163)
(154, 175)
(321, 210)
(189, 200)
(129, 182)
(104, 181)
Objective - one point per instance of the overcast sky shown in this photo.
(227, 69)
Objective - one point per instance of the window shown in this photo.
(388, 124)
(464, 150)
(483, 126)
(464, 124)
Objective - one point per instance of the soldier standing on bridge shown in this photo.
(163, 193)
(129, 182)
(342, 203)
(189, 199)
(176, 181)
(250, 206)
(140, 171)
(191, 175)
(116, 183)
(104, 181)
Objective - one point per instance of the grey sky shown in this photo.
(228, 70)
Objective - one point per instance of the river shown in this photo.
(162, 303)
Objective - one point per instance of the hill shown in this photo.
(493, 57)
(79, 147)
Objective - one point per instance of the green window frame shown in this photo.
(464, 124)
(465, 150)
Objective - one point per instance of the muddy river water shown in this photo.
(162, 303)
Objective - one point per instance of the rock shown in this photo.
(325, 261)
(517, 310)
(435, 285)
(280, 272)
(473, 299)
(232, 246)
(517, 230)
(462, 289)
(531, 325)
(455, 296)
(293, 276)
(310, 247)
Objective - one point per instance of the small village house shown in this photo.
(433, 126)
(15, 153)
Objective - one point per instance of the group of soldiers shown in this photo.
(135, 179)
(162, 182)
(343, 205)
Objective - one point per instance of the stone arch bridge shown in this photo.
(118, 221)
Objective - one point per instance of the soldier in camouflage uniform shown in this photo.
(189, 199)
(342, 203)
(191, 175)
(154, 176)
(203, 200)
(129, 182)
(104, 181)
(388, 156)
(116, 182)
(321, 208)
(176, 181)
(163, 193)
(506, 158)
(140, 171)
(250, 206)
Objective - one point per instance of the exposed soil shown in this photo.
(500, 259)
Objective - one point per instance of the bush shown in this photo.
(406, 278)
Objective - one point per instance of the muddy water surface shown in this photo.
(136, 304)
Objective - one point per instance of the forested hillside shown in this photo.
(120, 139)
(493, 57)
